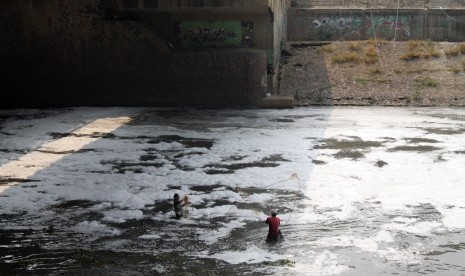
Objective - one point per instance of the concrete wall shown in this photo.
(57, 53)
(279, 9)
(266, 19)
(361, 24)
(378, 4)
(204, 3)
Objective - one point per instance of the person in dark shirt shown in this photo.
(178, 205)
(274, 234)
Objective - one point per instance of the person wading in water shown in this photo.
(274, 234)
(178, 205)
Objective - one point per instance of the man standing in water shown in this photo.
(274, 234)
(178, 205)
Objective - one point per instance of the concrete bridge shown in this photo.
(205, 53)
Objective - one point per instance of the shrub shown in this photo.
(420, 54)
(361, 81)
(355, 46)
(345, 57)
(455, 51)
(371, 54)
(429, 82)
(434, 53)
(455, 70)
(410, 55)
(452, 52)
(416, 96)
(374, 70)
(328, 48)
(413, 44)
(420, 49)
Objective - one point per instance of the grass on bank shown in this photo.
(420, 49)
(427, 81)
(455, 51)
(345, 57)
(355, 46)
(371, 55)
(375, 70)
(368, 56)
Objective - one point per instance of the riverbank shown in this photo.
(384, 73)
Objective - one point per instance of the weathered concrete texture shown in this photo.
(403, 4)
(68, 53)
(214, 78)
(279, 36)
(201, 78)
(362, 24)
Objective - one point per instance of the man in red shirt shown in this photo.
(274, 234)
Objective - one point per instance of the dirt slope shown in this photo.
(417, 73)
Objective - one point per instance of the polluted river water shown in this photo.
(359, 190)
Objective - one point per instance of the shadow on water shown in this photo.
(47, 242)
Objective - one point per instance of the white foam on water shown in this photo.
(95, 227)
(251, 255)
(211, 237)
(120, 216)
(149, 237)
(323, 263)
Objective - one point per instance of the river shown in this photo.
(359, 191)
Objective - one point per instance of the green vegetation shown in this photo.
(416, 96)
(379, 80)
(361, 81)
(427, 81)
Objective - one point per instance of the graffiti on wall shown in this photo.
(194, 34)
(338, 27)
(389, 27)
(357, 27)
